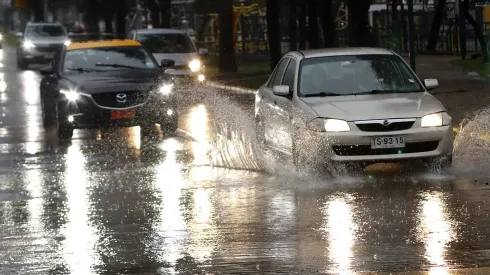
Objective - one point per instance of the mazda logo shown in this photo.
(121, 98)
(386, 122)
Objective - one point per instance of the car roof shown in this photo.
(160, 31)
(102, 44)
(343, 51)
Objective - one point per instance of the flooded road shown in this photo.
(202, 202)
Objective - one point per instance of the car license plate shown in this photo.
(123, 114)
(387, 142)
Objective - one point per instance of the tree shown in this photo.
(273, 32)
(313, 24)
(37, 7)
(121, 18)
(328, 25)
(227, 61)
(436, 25)
(165, 6)
(293, 25)
(93, 16)
(302, 25)
(359, 34)
(477, 29)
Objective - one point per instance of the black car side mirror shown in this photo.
(167, 63)
(46, 71)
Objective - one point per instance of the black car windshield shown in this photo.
(166, 43)
(107, 58)
(355, 74)
(44, 31)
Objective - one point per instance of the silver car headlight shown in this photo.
(329, 125)
(166, 89)
(27, 44)
(436, 120)
(195, 65)
(71, 95)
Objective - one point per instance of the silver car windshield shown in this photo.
(45, 31)
(355, 74)
(166, 43)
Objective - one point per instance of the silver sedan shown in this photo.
(356, 105)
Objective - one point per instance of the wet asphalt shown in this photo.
(206, 201)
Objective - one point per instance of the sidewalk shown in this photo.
(461, 93)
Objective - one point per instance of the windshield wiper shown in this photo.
(116, 66)
(377, 91)
(81, 70)
(322, 94)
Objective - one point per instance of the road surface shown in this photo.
(207, 201)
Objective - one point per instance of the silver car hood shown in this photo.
(380, 106)
(47, 40)
(179, 58)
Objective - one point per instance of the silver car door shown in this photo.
(271, 119)
(284, 108)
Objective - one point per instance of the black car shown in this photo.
(105, 84)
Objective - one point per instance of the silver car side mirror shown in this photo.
(281, 90)
(203, 51)
(431, 84)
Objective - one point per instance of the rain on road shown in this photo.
(198, 203)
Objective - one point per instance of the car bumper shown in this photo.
(355, 146)
(85, 113)
(187, 78)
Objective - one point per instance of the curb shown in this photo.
(234, 89)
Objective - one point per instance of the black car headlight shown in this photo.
(166, 89)
(71, 95)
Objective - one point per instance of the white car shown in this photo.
(355, 105)
(39, 43)
(175, 46)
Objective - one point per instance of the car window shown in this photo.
(44, 31)
(166, 43)
(356, 74)
(96, 59)
(289, 74)
(279, 73)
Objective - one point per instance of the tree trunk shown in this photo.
(477, 29)
(436, 25)
(108, 23)
(37, 7)
(93, 17)
(166, 14)
(359, 35)
(227, 61)
(121, 18)
(328, 25)
(313, 24)
(293, 27)
(302, 25)
(273, 33)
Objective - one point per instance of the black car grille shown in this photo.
(50, 48)
(111, 100)
(377, 127)
(365, 150)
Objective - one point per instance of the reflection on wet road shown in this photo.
(114, 202)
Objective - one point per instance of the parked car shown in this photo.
(353, 105)
(174, 45)
(100, 84)
(39, 43)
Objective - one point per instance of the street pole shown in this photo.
(462, 28)
(411, 34)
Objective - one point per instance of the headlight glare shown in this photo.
(70, 94)
(28, 44)
(336, 125)
(436, 120)
(328, 125)
(166, 89)
(67, 43)
(195, 65)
